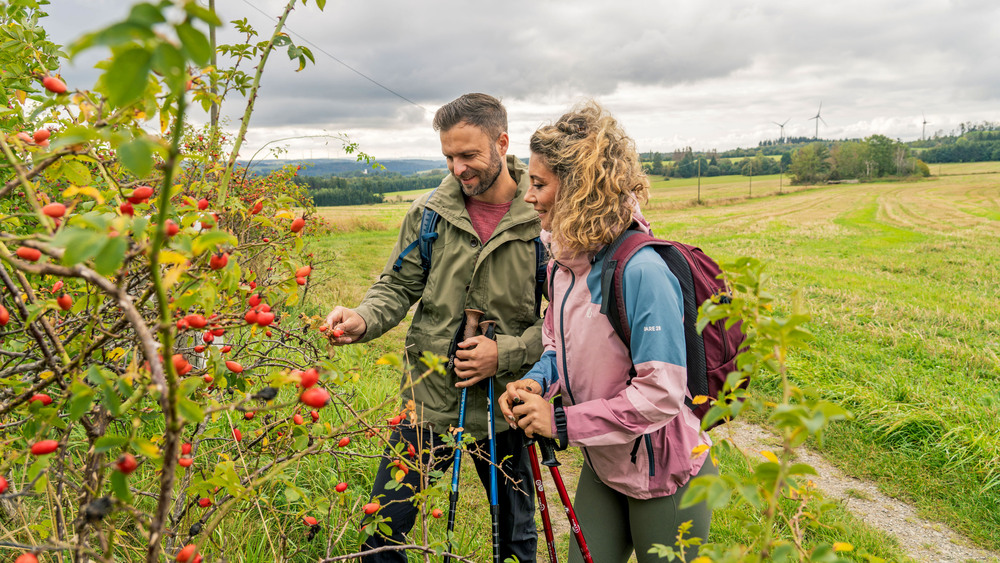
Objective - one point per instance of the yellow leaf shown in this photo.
(702, 559)
(171, 257)
(770, 456)
(116, 354)
(842, 546)
(265, 441)
(46, 374)
(147, 448)
(21, 95)
(284, 214)
(172, 276)
(698, 450)
(399, 475)
(390, 360)
(164, 123)
(88, 191)
(699, 399)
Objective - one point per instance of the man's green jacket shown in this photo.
(496, 276)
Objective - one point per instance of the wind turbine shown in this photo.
(923, 131)
(781, 136)
(818, 119)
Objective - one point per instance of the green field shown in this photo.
(901, 281)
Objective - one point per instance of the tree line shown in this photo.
(364, 189)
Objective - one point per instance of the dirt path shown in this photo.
(921, 539)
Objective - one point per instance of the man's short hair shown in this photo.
(482, 110)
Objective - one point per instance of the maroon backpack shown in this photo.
(711, 355)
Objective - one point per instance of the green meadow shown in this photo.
(901, 280)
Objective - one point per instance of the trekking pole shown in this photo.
(549, 459)
(471, 320)
(543, 506)
(489, 330)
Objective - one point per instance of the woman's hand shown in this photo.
(534, 415)
(512, 396)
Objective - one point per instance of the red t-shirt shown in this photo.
(485, 216)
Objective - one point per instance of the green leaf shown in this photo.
(210, 240)
(802, 469)
(111, 256)
(194, 43)
(146, 15)
(108, 443)
(112, 36)
(79, 245)
(291, 494)
(127, 76)
(196, 11)
(81, 397)
(321, 4)
(169, 61)
(190, 410)
(137, 156)
(76, 172)
(119, 484)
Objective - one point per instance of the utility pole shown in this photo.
(699, 180)
(750, 191)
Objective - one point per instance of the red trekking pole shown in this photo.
(549, 460)
(543, 506)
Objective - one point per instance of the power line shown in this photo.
(344, 64)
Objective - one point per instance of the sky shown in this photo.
(706, 74)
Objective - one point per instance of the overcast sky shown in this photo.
(706, 74)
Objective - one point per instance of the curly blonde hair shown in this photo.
(601, 180)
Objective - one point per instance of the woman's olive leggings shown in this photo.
(614, 525)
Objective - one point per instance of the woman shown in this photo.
(635, 431)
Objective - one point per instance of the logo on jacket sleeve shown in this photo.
(652, 328)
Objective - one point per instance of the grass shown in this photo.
(900, 279)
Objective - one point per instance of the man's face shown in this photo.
(472, 157)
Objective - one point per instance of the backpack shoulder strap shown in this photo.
(541, 266)
(428, 234)
(612, 267)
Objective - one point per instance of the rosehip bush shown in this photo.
(152, 340)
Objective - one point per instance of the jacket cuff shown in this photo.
(510, 354)
(371, 330)
(559, 430)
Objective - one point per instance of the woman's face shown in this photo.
(543, 189)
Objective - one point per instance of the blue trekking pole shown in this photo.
(489, 329)
(472, 317)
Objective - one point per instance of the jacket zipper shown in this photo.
(562, 318)
(562, 335)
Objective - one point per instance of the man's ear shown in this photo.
(503, 144)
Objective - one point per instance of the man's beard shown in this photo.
(487, 177)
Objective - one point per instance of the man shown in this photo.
(483, 258)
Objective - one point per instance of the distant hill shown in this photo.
(349, 167)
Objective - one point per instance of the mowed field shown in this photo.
(903, 283)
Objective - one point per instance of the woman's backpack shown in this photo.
(711, 355)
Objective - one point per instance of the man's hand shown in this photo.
(475, 360)
(512, 396)
(347, 323)
(533, 415)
